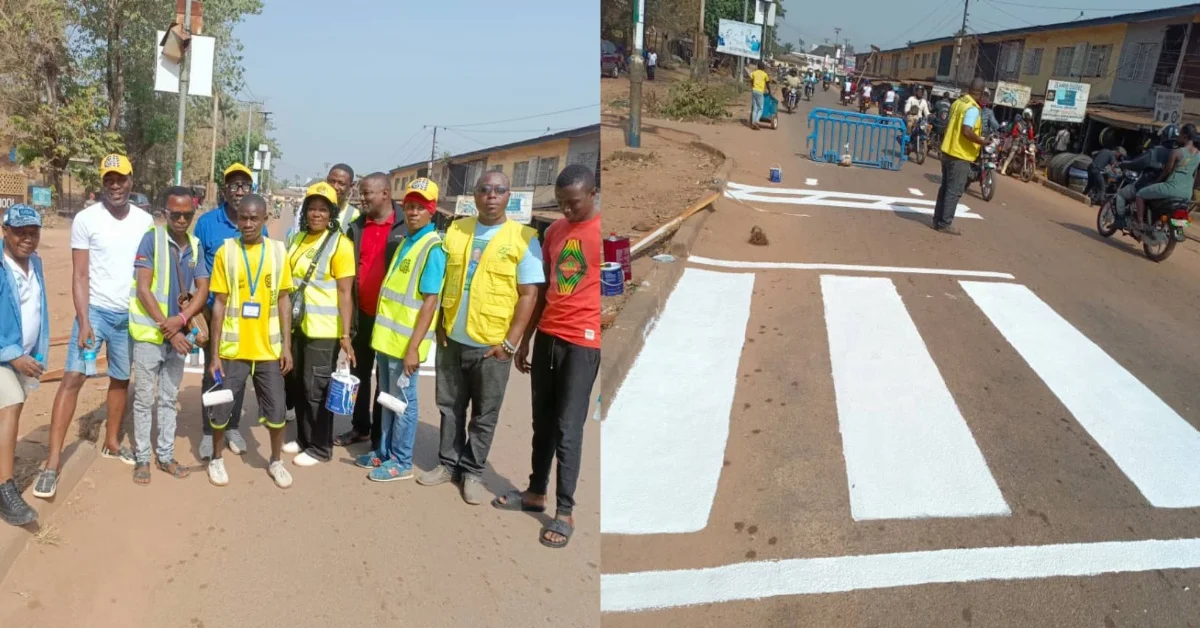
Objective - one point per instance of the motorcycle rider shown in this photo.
(1103, 162)
(865, 100)
(916, 107)
(991, 126)
(848, 89)
(1154, 158)
(941, 115)
(792, 85)
(1177, 178)
(1022, 128)
(888, 105)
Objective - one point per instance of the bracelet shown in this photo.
(183, 318)
(509, 347)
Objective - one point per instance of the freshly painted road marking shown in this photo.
(909, 453)
(630, 592)
(807, 181)
(705, 261)
(852, 200)
(915, 192)
(1156, 448)
(665, 432)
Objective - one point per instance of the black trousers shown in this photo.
(313, 362)
(466, 378)
(367, 412)
(562, 378)
(207, 382)
(956, 173)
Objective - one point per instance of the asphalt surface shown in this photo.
(783, 489)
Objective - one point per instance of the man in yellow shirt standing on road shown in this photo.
(960, 149)
(759, 80)
(251, 332)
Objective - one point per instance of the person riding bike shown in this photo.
(1021, 129)
(1154, 158)
(865, 99)
(1177, 178)
(792, 84)
(1104, 162)
(915, 108)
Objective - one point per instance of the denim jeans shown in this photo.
(108, 327)
(398, 431)
(154, 365)
(756, 107)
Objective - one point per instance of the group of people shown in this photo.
(362, 291)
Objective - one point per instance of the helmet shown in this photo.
(1169, 136)
(1027, 113)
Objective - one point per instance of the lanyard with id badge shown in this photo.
(251, 309)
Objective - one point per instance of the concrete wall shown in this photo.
(1133, 92)
(1049, 42)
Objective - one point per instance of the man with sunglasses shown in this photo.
(483, 324)
(212, 229)
(167, 267)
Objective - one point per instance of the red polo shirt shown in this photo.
(372, 265)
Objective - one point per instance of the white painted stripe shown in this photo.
(850, 200)
(664, 434)
(697, 259)
(630, 592)
(810, 182)
(915, 192)
(909, 453)
(1155, 447)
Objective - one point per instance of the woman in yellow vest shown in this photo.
(493, 268)
(403, 333)
(322, 264)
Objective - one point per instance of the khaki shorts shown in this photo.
(12, 387)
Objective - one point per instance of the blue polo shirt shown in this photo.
(189, 269)
(212, 230)
(435, 264)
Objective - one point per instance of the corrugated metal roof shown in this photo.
(568, 134)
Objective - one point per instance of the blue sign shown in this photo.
(41, 197)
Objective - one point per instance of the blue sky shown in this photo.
(355, 80)
(890, 24)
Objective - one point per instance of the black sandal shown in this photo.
(514, 501)
(559, 527)
(351, 438)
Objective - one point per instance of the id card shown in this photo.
(251, 310)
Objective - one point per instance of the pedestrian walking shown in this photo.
(24, 343)
(376, 235)
(403, 334)
(251, 332)
(482, 324)
(170, 288)
(104, 241)
(651, 64)
(212, 230)
(321, 261)
(759, 82)
(960, 148)
(565, 355)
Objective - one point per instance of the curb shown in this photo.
(623, 341)
(77, 459)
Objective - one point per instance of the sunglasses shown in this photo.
(245, 187)
(488, 189)
(173, 216)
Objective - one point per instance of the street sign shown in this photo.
(520, 207)
(1168, 108)
(1013, 95)
(739, 38)
(201, 52)
(41, 197)
(1065, 101)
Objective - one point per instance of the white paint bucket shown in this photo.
(343, 390)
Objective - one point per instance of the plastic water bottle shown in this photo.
(89, 360)
(31, 383)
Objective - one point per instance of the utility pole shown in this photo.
(699, 59)
(184, 75)
(633, 138)
(742, 60)
(432, 155)
(249, 121)
(837, 36)
(962, 32)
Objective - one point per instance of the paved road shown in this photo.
(333, 550)
(850, 441)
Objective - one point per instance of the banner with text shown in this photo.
(1065, 101)
(739, 38)
(1168, 107)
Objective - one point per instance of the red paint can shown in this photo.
(616, 249)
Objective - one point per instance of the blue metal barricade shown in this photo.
(872, 141)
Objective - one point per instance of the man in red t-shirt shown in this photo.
(566, 353)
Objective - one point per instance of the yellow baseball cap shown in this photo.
(323, 190)
(426, 188)
(237, 167)
(115, 163)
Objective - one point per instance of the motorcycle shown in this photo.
(1165, 219)
(808, 91)
(1023, 153)
(984, 170)
(790, 99)
(847, 98)
(825, 86)
(918, 141)
(863, 103)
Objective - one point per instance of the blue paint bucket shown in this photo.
(612, 279)
(343, 390)
(776, 175)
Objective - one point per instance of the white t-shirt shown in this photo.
(848, 86)
(890, 96)
(111, 245)
(29, 295)
(920, 103)
(866, 91)
(653, 58)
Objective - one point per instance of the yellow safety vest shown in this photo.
(346, 216)
(494, 286)
(233, 305)
(400, 301)
(321, 316)
(954, 144)
(141, 326)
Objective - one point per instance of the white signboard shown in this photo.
(200, 55)
(1168, 107)
(938, 90)
(1012, 95)
(1065, 101)
(739, 38)
(520, 206)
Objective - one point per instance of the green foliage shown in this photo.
(48, 137)
(234, 151)
(698, 99)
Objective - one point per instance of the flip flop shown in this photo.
(557, 526)
(350, 438)
(513, 502)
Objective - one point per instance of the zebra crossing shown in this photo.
(907, 450)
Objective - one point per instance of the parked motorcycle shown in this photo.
(984, 170)
(1165, 219)
(790, 99)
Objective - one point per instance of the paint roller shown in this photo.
(214, 397)
(392, 403)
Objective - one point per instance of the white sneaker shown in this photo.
(282, 478)
(291, 415)
(216, 472)
(305, 460)
(291, 447)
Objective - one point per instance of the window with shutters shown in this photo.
(520, 174)
(1135, 66)
(1097, 60)
(1168, 58)
(1033, 62)
(1063, 57)
(497, 168)
(547, 171)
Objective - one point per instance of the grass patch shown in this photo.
(698, 99)
(631, 157)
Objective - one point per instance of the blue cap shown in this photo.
(22, 216)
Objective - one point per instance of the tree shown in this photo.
(49, 136)
(787, 47)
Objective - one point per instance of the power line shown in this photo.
(412, 153)
(914, 26)
(540, 115)
(1039, 6)
(996, 7)
(543, 130)
(406, 143)
(466, 137)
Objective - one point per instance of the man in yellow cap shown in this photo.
(341, 178)
(104, 243)
(211, 230)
